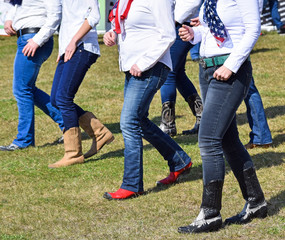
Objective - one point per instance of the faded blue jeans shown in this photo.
(26, 70)
(260, 132)
(135, 125)
(218, 134)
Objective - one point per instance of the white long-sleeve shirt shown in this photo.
(74, 14)
(43, 14)
(186, 9)
(150, 32)
(242, 22)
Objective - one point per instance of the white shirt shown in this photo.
(185, 10)
(44, 14)
(150, 32)
(242, 22)
(74, 13)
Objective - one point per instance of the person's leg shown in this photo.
(138, 95)
(26, 70)
(71, 78)
(273, 5)
(260, 134)
(42, 101)
(184, 85)
(221, 100)
(243, 169)
(67, 81)
(194, 52)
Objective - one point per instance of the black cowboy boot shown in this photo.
(167, 124)
(255, 206)
(209, 218)
(195, 103)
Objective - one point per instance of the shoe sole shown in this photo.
(108, 196)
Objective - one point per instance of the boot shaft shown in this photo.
(168, 113)
(195, 103)
(250, 187)
(212, 198)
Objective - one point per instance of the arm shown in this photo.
(53, 9)
(9, 21)
(70, 49)
(92, 18)
(186, 9)
(250, 14)
(163, 18)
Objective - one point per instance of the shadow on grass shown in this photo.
(276, 203)
(271, 112)
(262, 50)
(268, 160)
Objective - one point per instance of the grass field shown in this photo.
(41, 203)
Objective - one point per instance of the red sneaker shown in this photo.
(173, 176)
(121, 194)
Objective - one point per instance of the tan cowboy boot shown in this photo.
(73, 149)
(97, 131)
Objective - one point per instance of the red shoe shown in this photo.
(121, 194)
(174, 175)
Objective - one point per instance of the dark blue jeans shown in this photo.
(26, 70)
(260, 132)
(218, 134)
(135, 125)
(177, 78)
(67, 79)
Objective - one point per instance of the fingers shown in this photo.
(186, 33)
(109, 39)
(135, 71)
(222, 73)
(28, 51)
(68, 55)
(8, 28)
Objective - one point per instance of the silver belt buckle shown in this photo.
(203, 63)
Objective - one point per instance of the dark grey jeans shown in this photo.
(218, 134)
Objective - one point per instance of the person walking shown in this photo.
(78, 50)
(34, 23)
(177, 78)
(144, 31)
(228, 33)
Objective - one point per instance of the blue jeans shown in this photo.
(177, 77)
(27, 95)
(218, 133)
(194, 51)
(67, 79)
(260, 132)
(138, 94)
(273, 5)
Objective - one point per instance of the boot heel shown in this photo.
(261, 213)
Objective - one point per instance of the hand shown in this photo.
(30, 48)
(186, 33)
(135, 71)
(195, 22)
(109, 39)
(222, 73)
(69, 51)
(8, 28)
(58, 58)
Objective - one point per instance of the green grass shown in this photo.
(67, 203)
